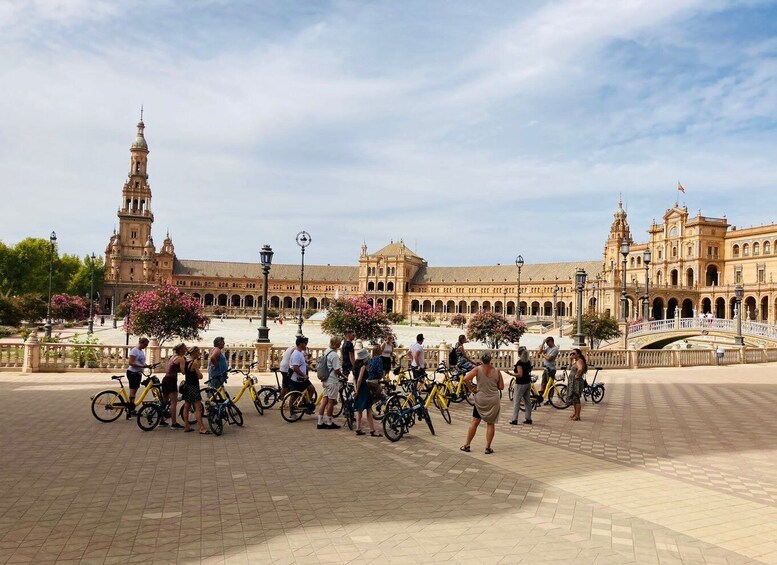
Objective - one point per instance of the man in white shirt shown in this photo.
(331, 385)
(285, 367)
(299, 368)
(417, 360)
(137, 362)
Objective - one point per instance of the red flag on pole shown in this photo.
(680, 187)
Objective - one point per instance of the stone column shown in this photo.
(154, 351)
(262, 356)
(442, 351)
(31, 363)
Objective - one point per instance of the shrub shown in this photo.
(86, 356)
(494, 329)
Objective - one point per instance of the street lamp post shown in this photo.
(266, 257)
(504, 304)
(52, 242)
(91, 299)
(303, 240)
(647, 256)
(739, 293)
(555, 305)
(580, 276)
(519, 264)
(624, 301)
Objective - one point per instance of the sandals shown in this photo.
(464, 448)
(489, 451)
(205, 433)
(373, 433)
(361, 433)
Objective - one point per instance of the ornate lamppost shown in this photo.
(739, 293)
(91, 298)
(266, 257)
(624, 300)
(519, 264)
(52, 242)
(647, 257)
(303, 240)
(580, 276)
(555, 305)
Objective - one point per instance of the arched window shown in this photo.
(632, 262)
(673, 232)
(756, 248)
(735, 251)
(380, 286)
(674, 252)
(390, 287)
(745, 250)
(690, 250)
(658, 278)
(660, 253)
(370, 286)
(639, 261)
(767, 248)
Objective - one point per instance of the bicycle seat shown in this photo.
(598, 368)
(275, 368)
(117, 377)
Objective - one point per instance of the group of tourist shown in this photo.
(184, 361)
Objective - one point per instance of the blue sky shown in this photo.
(475, 131)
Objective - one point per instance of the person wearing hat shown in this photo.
(522, 376)
(417, 361)
(299, 366)
(362, 397)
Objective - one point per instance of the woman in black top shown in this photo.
(522, 386)
(191, 391)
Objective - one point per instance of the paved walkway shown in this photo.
(675, 466)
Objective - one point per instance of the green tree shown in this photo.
(597, 328)
(165, 313)
(32, 307)
(81, 280)
(356, 314)
(10, 315)
(494, 329)
(27, 266)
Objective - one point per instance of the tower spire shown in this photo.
(141, 112)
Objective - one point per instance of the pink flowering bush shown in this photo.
(69, 308)
(165, 313)
(494, 329)
(356, 313)
(458, 320)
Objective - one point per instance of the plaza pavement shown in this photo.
(241, 332)
(674, 466)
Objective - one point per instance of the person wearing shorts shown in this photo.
(217, 364)
(299, 366)
(137, 362)
(331, 385)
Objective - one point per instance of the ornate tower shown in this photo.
(130, 256)
(619, 230)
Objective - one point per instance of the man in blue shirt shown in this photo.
(217, 366)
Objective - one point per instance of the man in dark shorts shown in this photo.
(349, 355)
(299, 366)
(137, 362)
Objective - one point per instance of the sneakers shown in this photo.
(176, 426)
(526, 422)
(513, 422)
(547, 402)
(163, 424)
(322, 427)
(332, 426)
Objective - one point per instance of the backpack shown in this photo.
(453, 357)
(322, 368)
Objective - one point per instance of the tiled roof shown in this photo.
(501, 273)
(396, 250)
(226, 269)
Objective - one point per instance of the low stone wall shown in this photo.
(32, 356)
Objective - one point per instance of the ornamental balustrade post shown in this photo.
(31, 362)
(154, 351)
(262, 356)
(515, 347)
(442, 353)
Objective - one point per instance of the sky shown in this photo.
(474, 131)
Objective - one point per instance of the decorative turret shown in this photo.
(167, 246)
(619, 230)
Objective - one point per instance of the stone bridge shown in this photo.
(658, 333)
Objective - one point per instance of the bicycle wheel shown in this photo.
(395, 403)
(428, 419)
(338, 409)
(149, 417)
(291, 406)
(597, 393)
(469, 396)
(392, 426)
(215, 423)
(258, 406)
(511, 389)
(350, 418)
(235, 414)
(107, 406)
(451, 396)
(446, 414)
(379, 408)
(268, 396)
(559, 400)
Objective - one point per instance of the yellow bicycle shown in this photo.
(400, 402)
(211, 395)
(108, 405)
(453, 386)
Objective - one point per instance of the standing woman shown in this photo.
(176, 365)
(191, 392)
(522, 386)
(386, 353)
(576, 379)
(487, 406)
(362, 397)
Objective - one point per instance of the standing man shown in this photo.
(285, 367)
(137, 362)
(331, 385)
(217, 365)
(299, 366)
(417, 360)
(548, 351)
(349, 355)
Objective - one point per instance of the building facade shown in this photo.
(696, 264)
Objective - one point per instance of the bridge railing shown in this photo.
(758, 329)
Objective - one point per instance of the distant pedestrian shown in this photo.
(250, 320)
(362, 397)
(102, 320)
(577, 372)
(522, 386)
(387, 352)
(489, 383)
